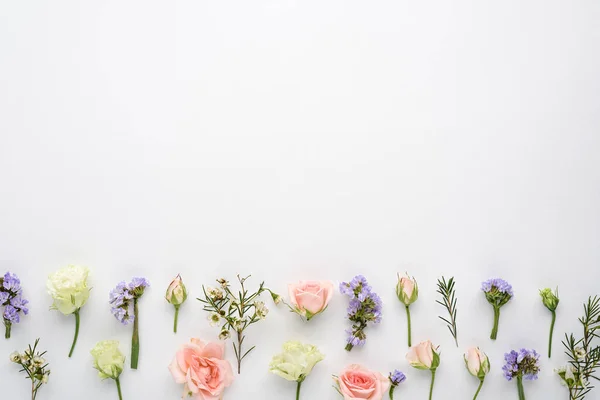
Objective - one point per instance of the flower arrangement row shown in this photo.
(204, 373)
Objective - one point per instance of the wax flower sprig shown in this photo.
(109, 362)
(12, 300)
(448, 292)
(32, 362)
(550, 300)
(407, 292)
(396, 378)
(583, 353)
(426, 357)
(524, 364)
(176, 295)
(478, 365)
(365, 306)
(124, 301)
(296, 362)
(235, 312)
(498, 292)
(69, 290)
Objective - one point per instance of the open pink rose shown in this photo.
(309, 298)
(201, 367)
(356, 382)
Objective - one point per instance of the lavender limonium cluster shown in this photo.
(521, 364)
(396, 378)
(124, 301)
(498, 292)
(365, 306)
(12, 300)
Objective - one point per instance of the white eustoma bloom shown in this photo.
(69, 288)
(296, 361)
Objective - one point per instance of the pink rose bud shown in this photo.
(356, 382)
(407, 290)
(477, 362)
(423, 356)
(176, 292)
(309, 298)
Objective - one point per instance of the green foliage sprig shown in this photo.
(448, 292)
(583, 353)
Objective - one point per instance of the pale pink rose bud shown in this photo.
(477, 362)
(176, 292)
(309, 298)
(423, 356)
(407, 290)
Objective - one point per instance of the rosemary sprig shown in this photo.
(447, 291)
(583, 353)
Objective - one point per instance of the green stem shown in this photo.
(239, 354)
(349, 347)
(392, 387)
(176, 319)
(298, 390)
(76, 332)
(494, 334)
(7, 329)
(119, 388)
(478, 389)
(135, 339)
(432, 382)
(551, 333)
(409, 326)
(520, 388)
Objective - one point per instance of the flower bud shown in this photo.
(477, 362)
(423, 356)
(176, 292)
(407, 290)
(15, 357)
(549, 298)
(108, 359)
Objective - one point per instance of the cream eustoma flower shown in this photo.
(296, 361)
(109, 361)
(69, 289)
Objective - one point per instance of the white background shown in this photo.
(300, 140)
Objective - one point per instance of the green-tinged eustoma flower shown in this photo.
(549, 298)
(108, 359)
(296, 362)
(69, 288)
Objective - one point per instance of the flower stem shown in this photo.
(119, 388)
(7, 329)
(76, 332)
(520, 388)
(239, 351)
(432, 382)
(135, 339)
(551, 333)
(494, 334)
(176, 319)
(409, 326)
(298, 390)
(391, 392)
(478, 389)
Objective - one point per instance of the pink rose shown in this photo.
(356, 382)
(423, 356)
(310, 298)
(201, 367)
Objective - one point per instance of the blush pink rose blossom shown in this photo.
(356, 382)
(309, 298)
(201, 368)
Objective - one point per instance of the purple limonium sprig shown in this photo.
(396, 378)
(12, 300)
(124, 301)
(521, 364)
(498, 292)
(365, 306)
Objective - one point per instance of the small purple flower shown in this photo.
(397, 377)
(10, 298)
(521, 364)
(20, 304)
(11, 283)
(4, 298)
(364, 307)
(122, 298)
(497, 285)
(498, 292)
(11, 315)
